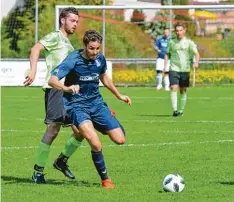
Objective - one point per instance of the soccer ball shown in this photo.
(173, 183)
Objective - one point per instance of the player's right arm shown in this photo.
(157, 45)
(61, 71)
(55, 83)
(34, 55)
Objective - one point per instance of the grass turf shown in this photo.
(199, 146)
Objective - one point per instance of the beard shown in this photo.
(69, 31)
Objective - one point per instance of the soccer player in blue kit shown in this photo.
(161, 47)
(83, 102)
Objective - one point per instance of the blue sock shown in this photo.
(99, 163)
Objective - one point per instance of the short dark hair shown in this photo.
(91, 35)
(179, 24)
(65, 12)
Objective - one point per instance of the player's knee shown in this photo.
(120, 140)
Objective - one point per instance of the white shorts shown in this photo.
(160, 65)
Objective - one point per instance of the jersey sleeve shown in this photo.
(193, 47)
(66, 66)
(49, 41)
(104, 66)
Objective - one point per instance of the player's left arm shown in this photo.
(197, 58)
(193, 47)
(107, 82)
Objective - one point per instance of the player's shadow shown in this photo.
(227, 183)
(20, 180)
(155, 115)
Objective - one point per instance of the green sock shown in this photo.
(42, 154)
(183, 100)
(71, 146)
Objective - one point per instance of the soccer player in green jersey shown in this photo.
(181, 51)
(56, 46)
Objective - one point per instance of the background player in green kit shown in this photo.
(181, 51)
(57, 46)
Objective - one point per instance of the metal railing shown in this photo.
(153, 60)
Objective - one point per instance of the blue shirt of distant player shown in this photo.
(161, 43)
(85, 73)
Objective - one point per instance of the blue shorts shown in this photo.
(100, 116)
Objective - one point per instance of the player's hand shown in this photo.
(72, 89)
(195, 65)
(126, 99)
(29, 78)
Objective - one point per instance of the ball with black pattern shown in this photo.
(173, 183)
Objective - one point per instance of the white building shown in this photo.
(149, 13)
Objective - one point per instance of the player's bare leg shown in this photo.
(88, 132)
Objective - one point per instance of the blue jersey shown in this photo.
(85, 73)
(161, 43)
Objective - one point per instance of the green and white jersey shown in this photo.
(181, 53)
(57, 48)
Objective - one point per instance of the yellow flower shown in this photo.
(148, 76)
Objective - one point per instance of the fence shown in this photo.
(129, 39)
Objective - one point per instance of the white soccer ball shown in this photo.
(173, 183)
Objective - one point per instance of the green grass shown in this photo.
(199, 146)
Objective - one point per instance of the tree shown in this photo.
(156, 27)
(18, 28)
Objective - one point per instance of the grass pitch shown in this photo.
(199, 146)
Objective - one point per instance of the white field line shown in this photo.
(132, 145)
(159, 132)
(143, 121)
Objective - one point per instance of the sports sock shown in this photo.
(183, 100)
(166, 81)
(99, 163)
(38, 169)
(71, 146)
(159, 79)
(174, 100)
(42, 154)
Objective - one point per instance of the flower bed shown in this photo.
(148, 77)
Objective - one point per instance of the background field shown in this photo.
(198, 146)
